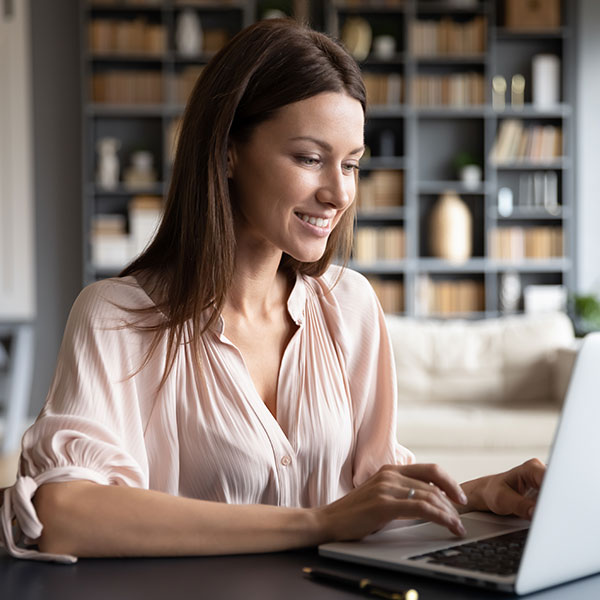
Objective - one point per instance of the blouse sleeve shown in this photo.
(371, 377)
(91, 425)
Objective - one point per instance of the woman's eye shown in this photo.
(308, 161)
(350, 167)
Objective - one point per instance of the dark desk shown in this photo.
(252, 577)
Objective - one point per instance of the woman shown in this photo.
(232, 391)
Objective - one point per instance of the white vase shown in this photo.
(188, 33)
(470, 176)
(451, 229)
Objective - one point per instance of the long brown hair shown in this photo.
(191, 259)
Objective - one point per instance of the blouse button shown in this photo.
(286, 461)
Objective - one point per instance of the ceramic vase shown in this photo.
(188, 34)
(451, 227)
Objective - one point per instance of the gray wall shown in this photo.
(57, 168)
(588, 147)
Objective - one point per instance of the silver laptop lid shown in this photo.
(564, 538)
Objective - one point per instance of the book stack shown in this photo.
(144, 217)
(448, 38)
(127, 87)
(457, 89)
(447, 297)
(122, 37)
(380, 191)
(390, 293)
(516, 142)
(539, 190)
(372, 244)
(185, 82)
(109, 241)
(383, 89)
(518, 243)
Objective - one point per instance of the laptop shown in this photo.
(560, 544)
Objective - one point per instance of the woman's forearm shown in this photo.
(87, 519)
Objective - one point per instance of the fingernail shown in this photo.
(463, 497)
(530, 512)
(461, 529)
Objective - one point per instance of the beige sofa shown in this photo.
(481, 396)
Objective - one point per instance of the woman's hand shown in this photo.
(510, 493)
(387, 495)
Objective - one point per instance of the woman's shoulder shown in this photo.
(347, 294)
(347, 286)
(112, 298)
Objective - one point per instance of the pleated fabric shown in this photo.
(209, 435)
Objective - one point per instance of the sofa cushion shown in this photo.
(497, 361)
(460, 425)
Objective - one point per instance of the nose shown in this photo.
(337, 188)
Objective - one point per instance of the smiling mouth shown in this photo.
(316, 221)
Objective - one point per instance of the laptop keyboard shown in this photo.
(498, 555)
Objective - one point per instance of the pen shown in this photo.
(361, 584)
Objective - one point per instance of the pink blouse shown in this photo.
(210, 436)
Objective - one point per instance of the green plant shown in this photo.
(462, 159)
(587, 308)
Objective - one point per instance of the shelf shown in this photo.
(527, 165)
(439, 265)
(439, 187)
(522, 213)
(125, 110)
(453, 112)
(117, 57)
(503, 34)
(370, 8)
(530, 111)
(447, 8)
(548, 265)
(122, 190)
(443, 59)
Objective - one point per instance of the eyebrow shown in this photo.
(324, 144)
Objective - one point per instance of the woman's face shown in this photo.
(297, 174)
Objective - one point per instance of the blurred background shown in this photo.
(478, 192)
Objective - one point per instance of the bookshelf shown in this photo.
(450, 55)
(430, 99)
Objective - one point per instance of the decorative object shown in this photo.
(517, 92)
(356, 36)
(545, 69)
(188, 34)
(141, 173)
(468, 170)
(498, 92)
(544, 298)
(107, 175)
(505, 202)
(532, 15)
(384, 47)
(450, 230)
(510, 292)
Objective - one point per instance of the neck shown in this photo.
(258, 287)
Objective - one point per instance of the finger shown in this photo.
(436, 475)
(420, 507)
(510, 502)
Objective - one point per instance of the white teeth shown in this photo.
(317, 221)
